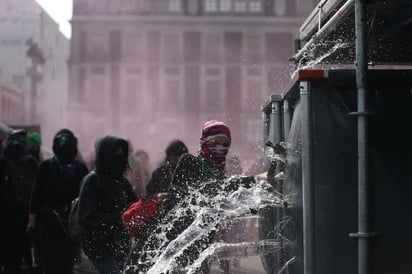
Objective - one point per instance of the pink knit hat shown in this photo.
(215, 128)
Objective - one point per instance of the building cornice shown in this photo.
(200, 20)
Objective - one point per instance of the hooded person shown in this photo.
(65, 148)
(104, 195)
(162, 175)
(197, 176)
(17, 172)
(214, 146)
(56, 185)
(194, 171)
(16, 144)
(34, 145)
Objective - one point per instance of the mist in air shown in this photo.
(152, 71)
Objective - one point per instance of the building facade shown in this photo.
(33, 58)
(153, 70)
(11, 103)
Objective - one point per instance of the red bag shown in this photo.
(138, 214)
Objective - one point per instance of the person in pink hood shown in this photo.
(214, 146)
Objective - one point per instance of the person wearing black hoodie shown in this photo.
(57, 184)
(162, 175)
(17, 172)
(104, 195)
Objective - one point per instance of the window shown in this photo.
(225, 5)
(171, 47)
(18, 80)
(213, 48)
(171, 93)
(192, 45)
(134, 46)
(97, 46)
(253, 48)
(81, 84)
(280, 7)
(143, 6)
(115, 45)
(153, 46)
(253, 92)
(128, 6)
(96, 88)
(233, 46)
(212, 97)
(278, 47)
(97, 70)
(175, 6)
(193, 6)
(171, 98)
(132, 93)
(240, 6)
(211, 6)
(255, 7)
(134, 71)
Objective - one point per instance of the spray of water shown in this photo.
(310, 57)
(204, 215)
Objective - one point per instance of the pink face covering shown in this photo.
(214, 154)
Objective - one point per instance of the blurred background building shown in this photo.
(152, 70)
(33, 67)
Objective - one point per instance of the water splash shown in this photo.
(219, 251)
(204, 215)
(310, 58)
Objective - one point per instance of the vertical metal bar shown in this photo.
(363, 188)
(307, 181)
(276, 138)
(286, 120)
(266, 120)
(266, 130)
(276, 128)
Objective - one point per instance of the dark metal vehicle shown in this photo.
(348, 172)
(320, 188)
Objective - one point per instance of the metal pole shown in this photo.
(266, 120)
(363, 188)
(276, 128)
(286, 120)
(307, 181)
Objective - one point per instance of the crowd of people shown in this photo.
(37, 194)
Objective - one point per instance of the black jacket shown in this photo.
(55, 188)
(103, 199)
(160, 180)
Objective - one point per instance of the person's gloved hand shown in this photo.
(30, 231)
(161, 196)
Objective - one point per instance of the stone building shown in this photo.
(33, 57)
(153, 70)
(11, 103)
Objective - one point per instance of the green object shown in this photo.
(34, 139)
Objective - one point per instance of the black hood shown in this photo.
(105, 154)
(65, 146)
(16, 145)
(176, 148)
